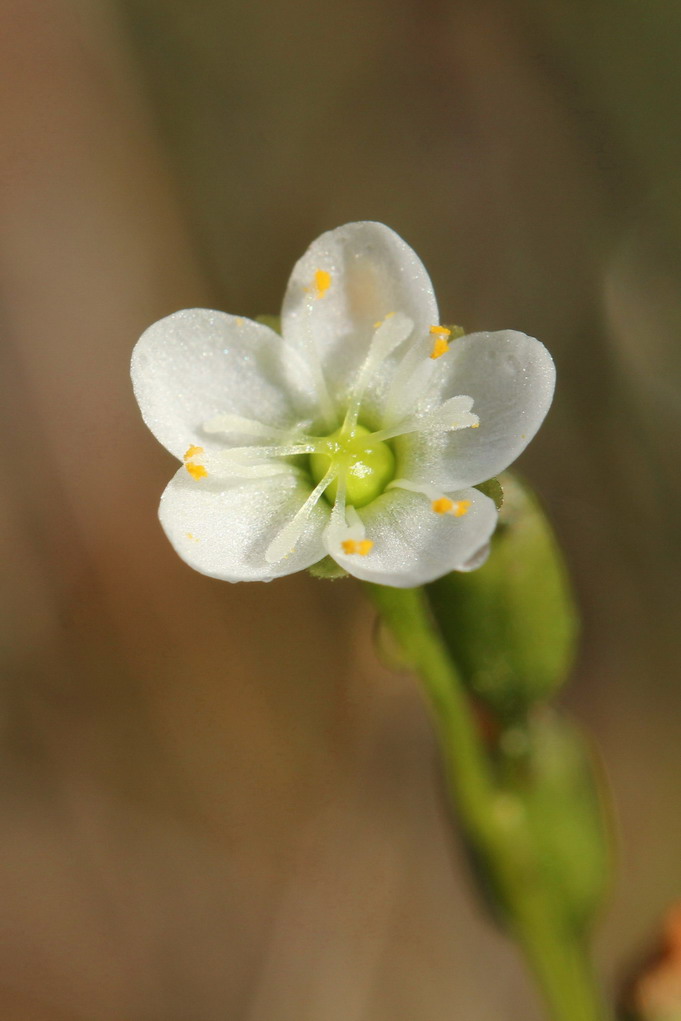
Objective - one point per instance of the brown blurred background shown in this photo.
(214, 803)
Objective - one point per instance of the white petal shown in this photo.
(511, 379)
(224, 529)
(196, 365)
(412, 544)
(372, 273)
(478, 559)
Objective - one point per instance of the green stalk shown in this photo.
(490, 817)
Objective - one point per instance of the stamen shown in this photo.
(414, 372)
(361, 546)
(307, 355)
(410, 380)
(229, 423)
(391, 332)
(322, 282)
(197, 471)
(440, 503)
(441, 342)
(284, 450)
(417, 487)
(337, 529)
(345, 531)
(238, 470)
(454, 414)
(192, 452)
(253, 462)
(461, 507)
(247, 462)
(457, 508)
(283, 544)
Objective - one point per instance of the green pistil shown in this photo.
(368, 467)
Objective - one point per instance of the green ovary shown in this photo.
(367, 467)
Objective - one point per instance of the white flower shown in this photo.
(359, 434)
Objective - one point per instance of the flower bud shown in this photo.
(511, 625)
(548, 844)
(548, 770)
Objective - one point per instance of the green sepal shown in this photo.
(274, 322)
(327, 568)
(511, 625)
(492, 488)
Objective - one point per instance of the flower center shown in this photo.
(368, 466)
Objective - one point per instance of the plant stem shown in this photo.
(489, 815)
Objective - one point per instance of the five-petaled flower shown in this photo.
(359, 433)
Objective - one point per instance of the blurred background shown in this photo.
(214, 802)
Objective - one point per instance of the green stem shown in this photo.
(495, 831)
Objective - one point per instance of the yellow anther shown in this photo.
(197, 471)
(440, 347)
(441, 342)
(443, 335)
(475, 425)
(192, 452)
(190, 535)
(322, 282)
(360, 546)
(457, 508)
